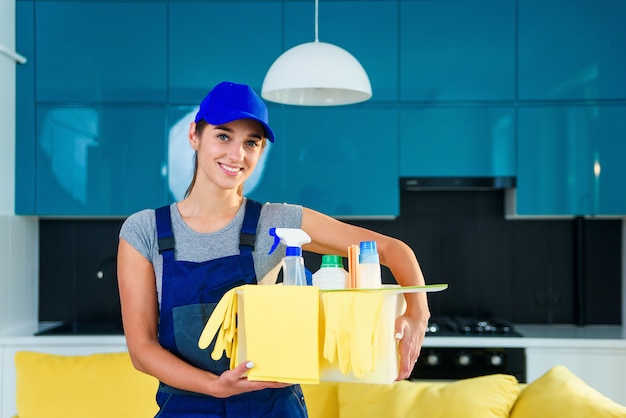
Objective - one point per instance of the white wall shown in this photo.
(19, 253)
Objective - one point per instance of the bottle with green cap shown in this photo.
(331, 275)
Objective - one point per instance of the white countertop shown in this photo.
(533, 336)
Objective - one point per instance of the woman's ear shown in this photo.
(193, 137)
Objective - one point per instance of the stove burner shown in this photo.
(459, 326)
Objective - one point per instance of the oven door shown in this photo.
(453, 363)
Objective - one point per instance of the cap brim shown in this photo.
(227, 118)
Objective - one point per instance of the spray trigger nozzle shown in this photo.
(291, 237)
(276, 240)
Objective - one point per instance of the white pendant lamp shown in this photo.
(316, 74)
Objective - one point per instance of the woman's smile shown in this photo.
(230, 169)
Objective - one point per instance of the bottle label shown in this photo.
(369, 276)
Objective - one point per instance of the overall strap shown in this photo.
(247, 236)
(164, 232)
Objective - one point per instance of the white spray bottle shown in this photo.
(293, 262)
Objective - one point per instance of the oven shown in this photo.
(457, 361)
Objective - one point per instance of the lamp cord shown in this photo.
(316, 19)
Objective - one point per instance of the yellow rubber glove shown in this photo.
(331, 307)
(366, 311)
(230, 326)
(215, 325)
(344, 334)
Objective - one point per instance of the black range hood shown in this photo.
(414, 184)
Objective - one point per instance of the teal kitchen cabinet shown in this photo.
(238, 43)
(457, 50)
(572, 49)
(571, 160)
(99, 160)
(342, 161)
(366, 29)
(457, 141)
(25, 173)
(100, 52)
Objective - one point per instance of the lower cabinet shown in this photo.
(600, 368)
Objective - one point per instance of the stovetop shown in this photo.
(457, 326)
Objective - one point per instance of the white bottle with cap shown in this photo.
(331, 275)
(369, 266)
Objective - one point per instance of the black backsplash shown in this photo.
(523, 270)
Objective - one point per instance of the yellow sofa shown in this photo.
(107, 385)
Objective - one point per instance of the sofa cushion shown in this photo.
(560, 393)
(321, 400)
(489, 396)
(94, 386)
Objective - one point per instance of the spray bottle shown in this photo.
(293, 263)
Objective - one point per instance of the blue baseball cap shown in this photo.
(231, 101)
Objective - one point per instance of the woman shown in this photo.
(175, 263)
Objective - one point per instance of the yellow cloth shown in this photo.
(351, 327)
(281, 324)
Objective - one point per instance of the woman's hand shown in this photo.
(233, 382)
(410, 335)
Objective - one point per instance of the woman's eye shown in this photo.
(222, 137)
(253, 144)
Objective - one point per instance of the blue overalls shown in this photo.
(190, 292)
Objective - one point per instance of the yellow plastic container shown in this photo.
(291, 335)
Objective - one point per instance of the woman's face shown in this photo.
(227, 154)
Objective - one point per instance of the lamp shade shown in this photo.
(316, 74)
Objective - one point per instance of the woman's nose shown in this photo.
(236, 151)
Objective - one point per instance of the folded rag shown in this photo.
(281, 325)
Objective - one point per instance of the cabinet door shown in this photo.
(599, 367)
(572, 49)
(101, 51)
(232, 41)
(457, 50)
(342, 161)
(99, 160)
(457, 141)
(571, 160)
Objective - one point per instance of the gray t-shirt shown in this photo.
(139, 230)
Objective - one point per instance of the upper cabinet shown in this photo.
(571, 160)
(99, 160)
(238, 42)
(342, 161)
(472, 141)
(457, 50)
(572, 49)
(100, 52)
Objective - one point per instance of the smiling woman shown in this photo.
(175, 264)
